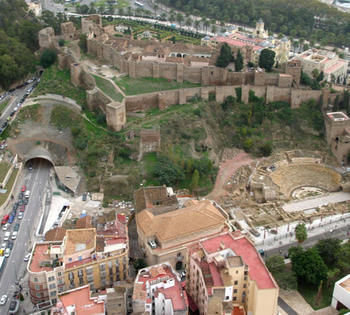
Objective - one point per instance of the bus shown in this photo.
(139, 4)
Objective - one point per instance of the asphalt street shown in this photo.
(341, 233)
(15, 267)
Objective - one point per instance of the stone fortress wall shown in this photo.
(217, 81)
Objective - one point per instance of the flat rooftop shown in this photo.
(337, 116)
(346, 284)
(242, 247)
(80, 240)
(40, 254)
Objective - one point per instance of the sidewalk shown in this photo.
(285, 234)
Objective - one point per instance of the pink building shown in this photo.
(226, 275)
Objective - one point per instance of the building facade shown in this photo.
(158, 291)
(333, 67)
(98, 258)
(226, 275)
(341, 294)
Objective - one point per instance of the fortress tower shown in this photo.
(259, 31)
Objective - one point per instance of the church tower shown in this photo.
(259, 31)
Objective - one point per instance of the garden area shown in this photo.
(134, 86)
(314, 271)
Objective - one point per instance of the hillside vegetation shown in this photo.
(294, 18)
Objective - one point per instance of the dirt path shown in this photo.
(227, 169)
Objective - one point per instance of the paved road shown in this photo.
(15, 267)
(286, 307)
(341, 233)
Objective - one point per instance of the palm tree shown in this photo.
(172, 17)
(213, 29)
(197, 24)
(163, 16)
(129, 11)
(188, 22)
(179, 18)
(155, 8)
(206, 24)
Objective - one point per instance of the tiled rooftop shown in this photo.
(82, 302)
(242, 247)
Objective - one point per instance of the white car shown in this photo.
(20, 216)
(7, 236)
(27, 257)
(5, 227)
(7, 252)
(14, 235)
(3, 246)
(3, 299)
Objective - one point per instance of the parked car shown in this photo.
(3, 299)
(14, 306)
(25, 201)
(14, 235)
(10, 245)
(7, 236)
(27, 194)
(22, 208)
(23, 188)
(20, 196)
(20, 216)
(5, 219)
(11, 219)
(7, 252)
(16, 228)
(5, 227)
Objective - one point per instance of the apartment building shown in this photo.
(158, 291)
(226, 275)
(97, 257)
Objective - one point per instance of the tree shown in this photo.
(139, 263)
(197, 24)
(92, 8)
(48, 57)
(83, 42)
(82, 9)
(308, 265)
(121, 11)
(129, 11)
(300, 232)
(61, 42)
(266, 148)
(213, 29)
(285, 278)
(206, 24)
(239, 61)
(167, 172)
(155, 8)
(188, 22)
(179, 18)
(101, 8)
(224, 57)
(329, 250)
(195, 180)
(267, 59)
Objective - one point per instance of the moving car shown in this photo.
(3, 299)
(27, 194)
(20, 216)
(27, 257)
(14, 235)
(14, 306)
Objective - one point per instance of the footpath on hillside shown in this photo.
(227, 168)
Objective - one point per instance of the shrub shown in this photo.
(48, 57)
(61, 42)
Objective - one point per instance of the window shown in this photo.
(80, 258)
(35, 279)
(51, 279)
(244, 285)
(245, 278)
(235, 291)
(52, 286)
(236, 271)
(38, 295)
(236, 282)
(59, 274)
(70, 259)
(53, 293)
(37, 287)
(54, 301)
(234, 299)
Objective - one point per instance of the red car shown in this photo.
(24, 188)
(5, 219)
(21, 208)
